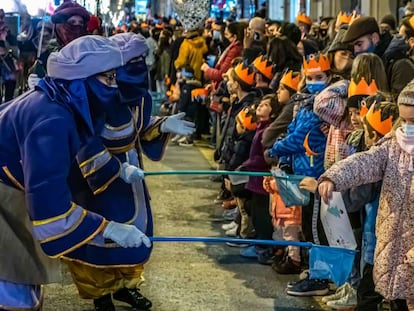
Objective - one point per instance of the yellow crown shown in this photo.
(362, 88)
(245, 74)
(247, 119)
(289, 81)
(411, 21)
(343, 18)
(303, 18)
(316, 64)
(374, 119)
(264, 66)
(354, 17)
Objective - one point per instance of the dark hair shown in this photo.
(236, 29)
(291, 31)
(274, 103)
(284, 53)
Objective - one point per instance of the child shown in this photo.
(390, 160)
(258, 203)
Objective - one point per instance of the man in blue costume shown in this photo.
(54, 158)
(126, 130)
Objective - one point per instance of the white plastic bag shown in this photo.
(336, 223)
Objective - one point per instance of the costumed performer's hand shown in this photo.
(125, 235)
(131, 173)
(309, 184)
(32, 80)
(176, 125)
(326, 188)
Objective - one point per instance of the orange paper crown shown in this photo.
(263, 66)
(316, 64)
(244, 73)
(303, 18)
(289, 81)
(411, 22)
(247, 119)
(374, 119)
(200, 93)
(343, 18)
(362, 88)
(354, 17)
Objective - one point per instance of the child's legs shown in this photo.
(261, 219)
(291, 233)
(246, 225)
(367, 298)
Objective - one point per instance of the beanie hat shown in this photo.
(93, 24)
(338, 45)
(68, 9)
(389, 19)
(406, 96)
(84, 57)
(360, 27)
(131, 45)
(191, 13)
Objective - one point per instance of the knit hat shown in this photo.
(131, 45)
(338, 45)
(84, 57)
(68, 9)
(362, 26)
(389, 19)
(191, 13)
(406, 96)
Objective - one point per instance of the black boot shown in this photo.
(104, 303)
(134, 298)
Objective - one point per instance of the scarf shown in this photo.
(66, 33)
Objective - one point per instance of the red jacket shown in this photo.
(224, 63)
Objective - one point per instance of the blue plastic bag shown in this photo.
(288, 187)
(331, 263)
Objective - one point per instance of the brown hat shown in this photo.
(360, 27)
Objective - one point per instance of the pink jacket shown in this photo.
(281, 215)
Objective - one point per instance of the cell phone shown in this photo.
(256, 36)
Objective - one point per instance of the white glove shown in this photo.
(32, 80)
(176, 125)
(125, 235)
(131, 173)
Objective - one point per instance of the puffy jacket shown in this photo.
(306, 125)
(191, 53)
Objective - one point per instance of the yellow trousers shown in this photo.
(93, 282)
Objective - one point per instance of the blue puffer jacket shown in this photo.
(305, 126)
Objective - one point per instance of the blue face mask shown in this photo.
(315, 87)
(371, 49)
(408, 129)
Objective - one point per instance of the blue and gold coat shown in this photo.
(67, 161)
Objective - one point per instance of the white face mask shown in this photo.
(408, 129)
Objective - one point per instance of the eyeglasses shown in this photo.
(109, 77)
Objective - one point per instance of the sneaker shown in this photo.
(235, 244)
(232, 232)
(182, 139)
(230, 214)
(287, 267)
(134, 298)
(340, 292)
(229, 226)
(185, 143)
(347, 301)
(176, 138)
(249, 252)
(309, 287)
(304, 275)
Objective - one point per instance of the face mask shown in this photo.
(66, 33)
(323, 32)
(315, 87)
(132, 80)
(102, 98)
(408, 129)
(371, 49)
